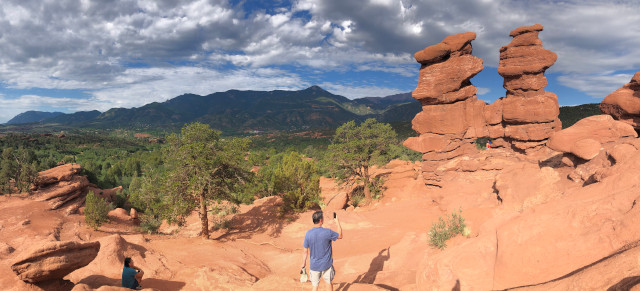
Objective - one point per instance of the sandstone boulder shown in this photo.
(624, 103)
(57, 174)
(600, 128)
(586, 148)
(622, 152)
(119, 214)
(54, 260)
(337, 202)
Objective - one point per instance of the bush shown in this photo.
(150, 223)
(376, 186)
(292, 176)
(443, 230)
(481, 142)
(357, 195)
(95, 211)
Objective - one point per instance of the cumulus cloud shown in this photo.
(147, 50)
(140, 86)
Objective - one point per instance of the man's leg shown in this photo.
(328, 275)
(314, 277)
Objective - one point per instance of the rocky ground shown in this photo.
(532, 227)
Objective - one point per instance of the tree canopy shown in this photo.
(202, 167)
(356, 148)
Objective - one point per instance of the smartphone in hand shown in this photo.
(335, 215)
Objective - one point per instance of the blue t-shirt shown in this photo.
(129, 278)
(319, 239)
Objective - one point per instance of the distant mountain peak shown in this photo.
(32, 116)
(315, 88)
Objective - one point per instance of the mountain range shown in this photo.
(240, 111)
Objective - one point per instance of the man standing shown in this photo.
(131, 275)
(318, 242)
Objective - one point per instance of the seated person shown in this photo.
(131, 275)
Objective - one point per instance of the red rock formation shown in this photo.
(599, 129)
(54, 260)
(624, 103)
(62, 186)
(451, 114)
(530, 114)
(593, 140)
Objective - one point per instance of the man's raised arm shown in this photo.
(339, 228)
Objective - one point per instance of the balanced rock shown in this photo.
(522, 64)
(54, 260)
(451, 115)
(624, 103)
(598, 128)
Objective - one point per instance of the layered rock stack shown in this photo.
(449, 104)
(624, 103)
(529, 113)
(64, 187)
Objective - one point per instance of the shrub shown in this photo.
(443, 230)
(357, 195)
(295, 178)
(481, 142)
(95, 211)
(376, 185)
(150, 223)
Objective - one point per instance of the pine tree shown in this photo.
(356, 148)
(203, 167)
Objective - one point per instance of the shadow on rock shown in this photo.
(625, 284)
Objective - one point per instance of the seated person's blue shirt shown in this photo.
(318, 239)
(129, 278)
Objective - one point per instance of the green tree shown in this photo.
(203, 167)
(296, 179)
(17, 166)
(356, 148)
(95, 211)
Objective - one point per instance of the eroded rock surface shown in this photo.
(54, 260)
(593, 145)
(64, 188)
(452, 118)
(449, 104)
(530, 114)
(624, 103)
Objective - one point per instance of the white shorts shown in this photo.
(327, 275)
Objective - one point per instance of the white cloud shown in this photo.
(353, 92)
(597, 86)
(91, 45)
(141, 86)
(483, 91)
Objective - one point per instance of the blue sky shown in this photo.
(74, 55)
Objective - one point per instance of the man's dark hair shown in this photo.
(127, 261)
(317, 216)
